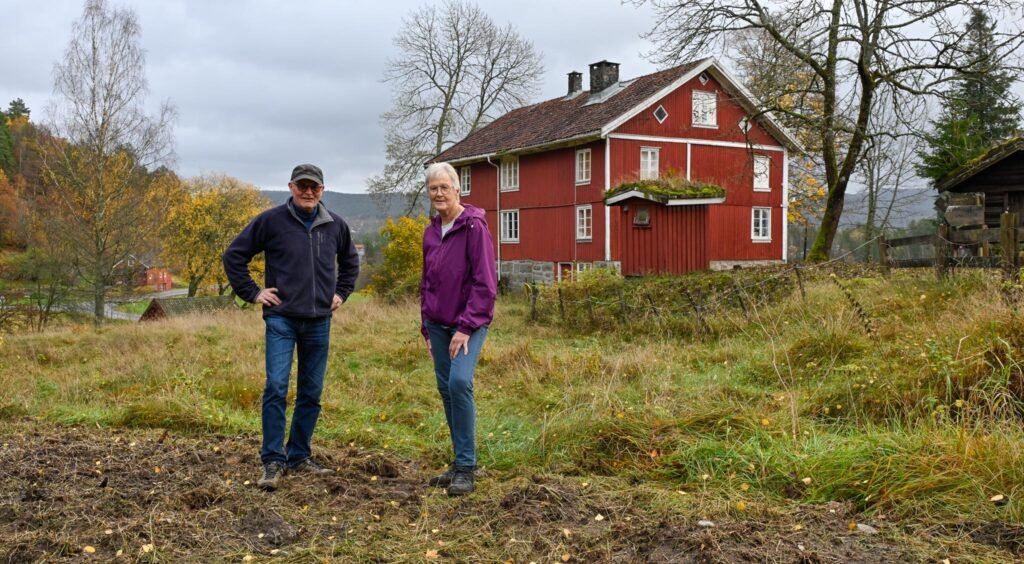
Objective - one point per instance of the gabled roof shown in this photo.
(570, 119)
(980, 163)
(160, 308)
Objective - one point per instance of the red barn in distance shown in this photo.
(569, 183)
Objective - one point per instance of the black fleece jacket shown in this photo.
(307, 266)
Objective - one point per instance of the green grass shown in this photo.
(799, 403)
(137, 308)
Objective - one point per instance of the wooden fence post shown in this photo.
(702, 325)
(739, 298)
(883, 255)
(800, 282)
(654, 308)
(534, 291)
(1008, 242)
(941, 250)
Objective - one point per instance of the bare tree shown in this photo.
(456, 72)
(106, 203)
(852, 47)
(887, 167)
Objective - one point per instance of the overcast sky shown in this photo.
(261, 85)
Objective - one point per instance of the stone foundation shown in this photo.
(734, 264)
(516, 273)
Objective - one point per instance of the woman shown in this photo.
(457, 294)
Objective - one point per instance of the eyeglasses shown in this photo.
(439, 189)
(314, 188)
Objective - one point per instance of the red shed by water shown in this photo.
(543, 174)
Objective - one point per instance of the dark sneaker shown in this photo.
(272, 474)
(462, 481)
(310, 466)
(443, 480)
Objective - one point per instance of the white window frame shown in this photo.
(583, 172)
(655, 114)
(700, 115)
(584, 266)
(509, 233)
(757, 223)
(558, 270)
(585, 222)
(509, 174)
(465, 180)
(653, 158)
(762, 182)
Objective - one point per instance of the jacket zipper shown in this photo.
(312, 268)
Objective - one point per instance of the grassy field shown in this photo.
(787, 430)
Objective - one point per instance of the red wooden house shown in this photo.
(542, 173)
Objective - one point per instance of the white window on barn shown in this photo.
(584, 223)
(705, 109)
(510, 174)
(762, 167)
(584, 266)
(510, 226)
(583, 166)
(649, 163)
(761, 224)
(465, 180)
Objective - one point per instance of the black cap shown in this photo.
(307, 172)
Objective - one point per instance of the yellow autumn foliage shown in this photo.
(212, 210)
(399, 273)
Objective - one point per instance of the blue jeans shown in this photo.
(284, 334)
(455, 382)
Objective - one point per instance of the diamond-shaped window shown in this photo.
(661, 114)
(704, 78)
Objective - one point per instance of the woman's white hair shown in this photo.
(437, 169)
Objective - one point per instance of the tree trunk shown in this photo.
(193, 286)
(100, 296)
(829, 225)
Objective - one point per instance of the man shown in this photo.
(311, 268)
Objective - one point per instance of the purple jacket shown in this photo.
(460, 280)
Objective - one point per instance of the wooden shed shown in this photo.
(998, 174)
(161, 308)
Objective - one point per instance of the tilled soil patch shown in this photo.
(85, 493)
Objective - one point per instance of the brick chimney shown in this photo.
(602, 75)
(575, 82)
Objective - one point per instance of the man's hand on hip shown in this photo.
(336, 303)
(268, 297)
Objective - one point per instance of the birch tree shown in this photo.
(852, 47)
(456, 71)
(106, 203)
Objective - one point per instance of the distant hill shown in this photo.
(366, 217)
(911, 204)
(360, 211)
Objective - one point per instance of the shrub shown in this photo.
(399, 274)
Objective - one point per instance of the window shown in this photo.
(584, 266)
(642, 217)
(510, 226)
(465, 177)
(649, 163)
(762, 166)
(704, 109)
(584, 222)
(761, 226)
(661, 114)
(583, 166)
(510, 174)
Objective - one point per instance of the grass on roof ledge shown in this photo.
(669, 188)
